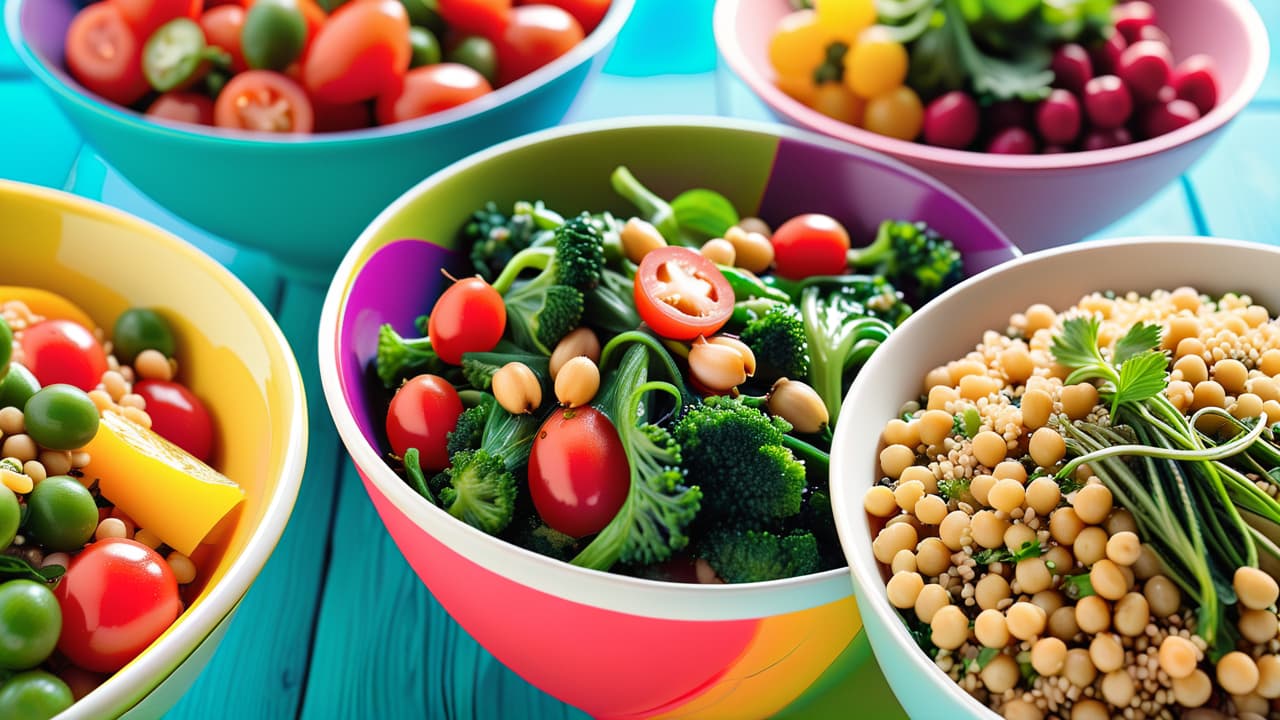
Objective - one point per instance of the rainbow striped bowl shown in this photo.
(614, 646)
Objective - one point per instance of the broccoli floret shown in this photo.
(779, 343)
(743, 556)
(579, 257)
(738, 457)
(652, 522)
(531, 533)
(541, 310)
(912, 257)
(469, 431)
(482, 485)
(842, 333)
(495, 238)
(478, 367)
(399, 358)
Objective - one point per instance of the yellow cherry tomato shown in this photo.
(846, 18)
(799, 45)
(837, 101)
(799, 87)
(897, 113)
(875, 64)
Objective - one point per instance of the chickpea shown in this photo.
(1026, 620)
(148, 538)
(1007, 494)
(639, 238)
(1048, 600)
(988, 529)
(1117, 688)
(1264, 387)
(1124, 548)
(1085, 709)
(931, 509)
(1059, 560)
(1010, 469)
(1039, 317)
(1269, 677)
(1000, 674)
(1079, 669)
(1237, 673)
(922, 474)
(935, 426)
(1258, 626)
(1043, 495)
(907, 494)
(1037, 405)
(1065, 526)
(951, 531)
(1257, 590)
(1078, 400)
(880, 501)
(1021, 710)
(980, 488)
(1033, 576)
(903, 589)
(896, 458)
(1093, 615)
(1121, 520)
(517, 389)
(1017, 535)
(1208, 394)
(1062, 623)
(936, 377)
(899, 432)
(1163, 595)
(719, 251)
(1193, 690)
(12, 421)
(892, 539)
(961, 369)
(1192, 368)
(1093, 503)
(932, 557)
(976, 387)
(1251, 707)
(581, 342)
(1272, 409)
(1178, 656)
(1106, 652)
(1047, 447)
(717, 367)
(1016, 363)
(752, 251)
(1179, 328)
(153, 365)
(950, 628)
(1090, 546)
(1247, 406)
(1180, 394)
(796, 402)
(1231, 374)
(989, 448)
(991, 629)
(1131, 614)
(1148, 565)
(991, 590)
(111, 528)
(938, 398)
(1107, 580)
(931, 599)
(904, 561)
(21, 447)
(577, 382)
(1049, 656)
(184, 571)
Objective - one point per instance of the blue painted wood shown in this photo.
(1270, 11)
(37, 144)
(1238, 182)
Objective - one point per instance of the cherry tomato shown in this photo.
(876, 64)
(144, 16)
(681, 294)
(264, 100)
(422, 414)
(835, 100)
(588, 13)
(799, 45)
(362, 51)
(430, 89)
(222, 26)
(178, 416)
(898, 114)
(808, 245)
(468, 317)
(105, 55)
(536, 35)
(846, 18)
(578, 471)
(337, 118)
(62, 351)
(484, 17)
(117, 597)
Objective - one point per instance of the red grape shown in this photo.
(1107, 102)
(951, 121)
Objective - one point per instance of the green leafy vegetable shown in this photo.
(704, 211)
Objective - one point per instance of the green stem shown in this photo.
(649, 341)
(810, 454)
(1234, 447)
(528, 259)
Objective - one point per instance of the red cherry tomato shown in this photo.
(476, 17)
(681, 294)
(117, 597)
(144, 16)
(105, 55)
(578, 471)
(360, 52)
(431, 89)
(188, 107)
(536, 35)
(266, 101)
(422, 414)
(469, 317)
(178, 416)
(337, 118)
(588, 13)
(222, 26)
(62, 351)
(808, 245)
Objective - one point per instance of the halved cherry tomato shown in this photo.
(483, 17)
(812, 244)
(469, 317)
(62, 351)
(188, 107)
(362, 51)
(144, 16)
(105, 55)
(117, 597)
(175, 57)
(588, 13)
(266, 101)
(430, 89)
(422, 414)
(536, 35)
(178, 416)
(681, 294)
(222, 26)
(347, 116)
(578, 471)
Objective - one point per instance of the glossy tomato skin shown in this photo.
(347, 116)
(362, 51)
(706, 300)
(252, 101)
(578, 471)
(222, 26)
(469, 317)
(808, 245)
(144, 16)
(422, 414)
(178, 416)
(105, 55)
(536, 35)
(117, 597)
(430, 89)
(188, 107)
(479, 17)
(63, 351)
(588, 13)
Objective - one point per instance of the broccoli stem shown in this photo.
(471, 398)
(534, 258)
(810, 454)
(413, 469)
(643, 338)
(653, 208)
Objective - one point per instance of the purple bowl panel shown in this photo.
(45, 31)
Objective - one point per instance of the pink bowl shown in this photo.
(1040, 201)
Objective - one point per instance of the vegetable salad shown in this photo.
(651, 394)
(1079, 517)
(97, 438)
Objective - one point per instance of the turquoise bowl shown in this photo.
(302, 199)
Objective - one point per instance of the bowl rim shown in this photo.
(157, 660)
(618, 593)
(852, 526)
(778, 102)
(61, 83)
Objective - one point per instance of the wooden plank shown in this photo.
(39, 145)
(260, 669)
(1238, 182)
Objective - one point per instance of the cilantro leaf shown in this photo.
(1140, 338)
(986, 655)
(1078, 586)
(1141, 377)
(1077, 345)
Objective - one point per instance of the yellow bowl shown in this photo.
(230, 353)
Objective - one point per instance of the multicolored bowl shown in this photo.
(233, 356)
(302, 199)
(1040, 201)
(614, 646)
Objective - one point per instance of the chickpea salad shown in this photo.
(650, 394)
(1078, 519)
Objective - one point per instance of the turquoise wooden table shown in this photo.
(337, 625)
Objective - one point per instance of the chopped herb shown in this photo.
(16, 568)
(954, 489)
(1028, 670)
(1029, 549)
(986, 655)
(1078, 586)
